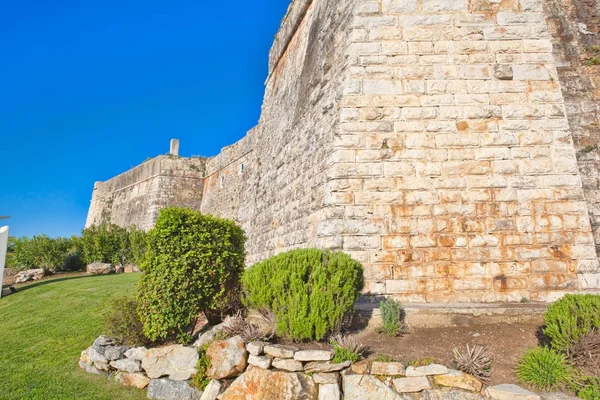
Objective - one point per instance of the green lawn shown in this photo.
(43, 329)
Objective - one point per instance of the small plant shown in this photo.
(524, 300)
(237, 325)
(346, 348)
(545, 370)
(592, 61)
(384, 358)
(392, 315)
(570, 318)
(421, 362)
(122, 322)
(200, 381)
(475, 360)
(590, 390)
(585, 354)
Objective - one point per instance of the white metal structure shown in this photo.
(3, 244)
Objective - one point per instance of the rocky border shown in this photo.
(260, 370)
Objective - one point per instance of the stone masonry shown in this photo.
(433, 140)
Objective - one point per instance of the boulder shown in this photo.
(260, 361)
(427, 370)
(459, 380)
(212, 390)
(326, 378)
(29, 275)
(115, 352)
(99, 269)
(228, 358)
(315, 367)
(330, 391)
(131, 268)
(449, 394)
(288, 364)
(136, 380)
(255, 348)
(388, 368)
(313, 355)
(176, 361)
(362, 387)
(263, 384)
(411, 385)
(208, 336)
(119, 269)
(105, 341)
(136, 353)
(96, 355)
(127, 365)
(166, 389)
(510, 392)
(90, 368)
(279, 351)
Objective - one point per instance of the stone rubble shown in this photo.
(29, 275)
(100, 269)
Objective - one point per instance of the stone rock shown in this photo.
(99, 269)
(459, 380)
(105, 341)
(115, 352)
(315, 367)
(131, 268)
(208, 336)
(260, 361)
(362, 387)
(510, 392)
(279, 351)
(411, 385)
(361, 367)
(448, 394)
(557, 396)
(166, 389)
(96, 355)
(176, 361)
(504, 72)
(265, 325)
(288, 364)
(212, 390)
(136, 353)
(119, 269)
(329, 391)
(255, 348)
(262, 384)
(29, 275)
(427, 370)
(313, 355)
(326, 378)
(388, 368)
(127, 365)
(90, 368)
(228, 358)
(136, 380)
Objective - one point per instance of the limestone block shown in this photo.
(510, 392)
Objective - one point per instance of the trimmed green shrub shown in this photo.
(545, 370)
(51, 254)
(138, 244)
(122, 322)
(106, 243)
(192, 261)
(570, 318)
(309, 290)
(392, 317)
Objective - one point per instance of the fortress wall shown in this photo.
(455, 175)
(281, 195)
(136, 196)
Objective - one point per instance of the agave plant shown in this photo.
(346, 348)
(237, 325)
(475, 360)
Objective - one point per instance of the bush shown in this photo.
(192, 261)
(570, 318)
(475, 360)
(138, 244)
(392, 317)
(545, 370)
(309, 290)
(346, 348)
(106, 243)
(122, 322)
(55, 255)
(590, 390)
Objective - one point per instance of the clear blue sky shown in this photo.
(89, 89)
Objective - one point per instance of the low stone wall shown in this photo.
(259, 370)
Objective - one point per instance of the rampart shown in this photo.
(449, 145)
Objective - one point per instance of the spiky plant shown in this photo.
(546, 370)
(346, 348)
(474, 360)
(236, 325)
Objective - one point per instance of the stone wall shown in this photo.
(136, 196)
(430, 139)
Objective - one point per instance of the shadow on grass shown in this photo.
(20, 289)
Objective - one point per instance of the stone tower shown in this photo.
(449, 145)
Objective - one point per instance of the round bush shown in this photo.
(308, 290)
(570, 318)
(545, 370)
(191, 262)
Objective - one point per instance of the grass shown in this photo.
(43, 329)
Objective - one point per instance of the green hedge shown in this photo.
(570, 318)
(192, 262)
(51, 254)
(308, 290)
